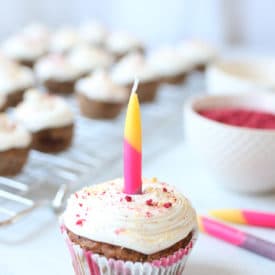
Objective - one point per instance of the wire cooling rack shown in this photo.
(95, 155)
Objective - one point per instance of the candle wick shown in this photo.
(135, 86)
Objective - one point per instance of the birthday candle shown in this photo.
(245, 217)
(236, 237)
(132, 146)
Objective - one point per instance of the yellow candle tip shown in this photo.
(230, 215)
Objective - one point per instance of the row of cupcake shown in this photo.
(42, 122)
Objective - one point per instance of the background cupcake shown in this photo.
(122, 43)
(3, 102)
(135, 65)
(99, 96)
(109, 232)
(57, 74)
(48, 118)
(14, 146)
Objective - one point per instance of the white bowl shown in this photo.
(241, 159)
(237, 76)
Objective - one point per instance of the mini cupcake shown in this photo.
(198, 53)
(93, 33)
(48, 118)
(109, 232)
(100, 97)
(37, 31)
(14, 146)
(57, 74)
(3, 103)
(135, 65)
(170, 65)
(122, 43)
(63, 40)
(14, 80)
(87, 59)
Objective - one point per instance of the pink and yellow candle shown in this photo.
(133, 146)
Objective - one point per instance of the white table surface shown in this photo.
(44, 252)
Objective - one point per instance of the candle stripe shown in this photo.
(230, 215)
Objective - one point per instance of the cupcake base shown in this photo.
(201, 68)
(26, 62)
(53, 140)
(59, 87)
(15, 97)
(92, 108)
(119, 56)
(175, 79)
(12, 161)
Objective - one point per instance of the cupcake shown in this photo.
(14, 80)
(135, 65)
(122, 43)
(100, 97)
(63, 40)
(170, 65)
(3, 103)
(57, 74)
(37, 31)
(93, 33)
(48, 118)
(87, 59)
(198, 53)
(14, 146)
(109, 232)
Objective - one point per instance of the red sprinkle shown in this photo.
(128, 198)
(150, 202)
(80, 222)
(167, 204)
(164, 189)
(80, 204)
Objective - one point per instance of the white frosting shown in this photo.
(14, 77)
(64, 39)
(131, 66)
(122, 42)
(86, 58)
(37, 31)
(168, 61)
(101, 87)
(197, 52)
(102, 213)
(12, 135)
(42, 111)
(57, 67)
(93, 33)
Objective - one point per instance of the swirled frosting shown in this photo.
(12, 135)
(101, 87)
(93, 33)
(122, 42)
(146, 223)
(56, 67)
(42, 111)
(37, 31)
(14, 77)
(87, 58)
(131, 66)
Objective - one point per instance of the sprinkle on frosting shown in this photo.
(147, 223)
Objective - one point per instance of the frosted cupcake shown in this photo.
(3, 103)
(93, 33)
(14, 80)
(57, 74)
(109, 232)
(170, 65)
(14, 146)
(87, 59)
(198, 53)
(135, 65)
(123, 43)
(48, 118)
(100, 97)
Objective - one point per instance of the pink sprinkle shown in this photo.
(164, 189)
(80, 222)
(128, 198)
(148, 214)
(77, 215)
(119, 231)
(167, 204)
(80, 204)
(76, 195)
(150, 202)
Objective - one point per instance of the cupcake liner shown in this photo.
(87, 263)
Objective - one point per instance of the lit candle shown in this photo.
(132, 146)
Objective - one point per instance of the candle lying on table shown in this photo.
(132, 146)
(245, 217)
(236, 237)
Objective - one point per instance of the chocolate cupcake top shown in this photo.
(87, 58)
(101, 87)
(131, 66)
(3, 101)
(12, 135)
(147, 223)
(93, 33)
(43, 111)
(14, 78)
(55, 67)
(168, 61)
(120, 43)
